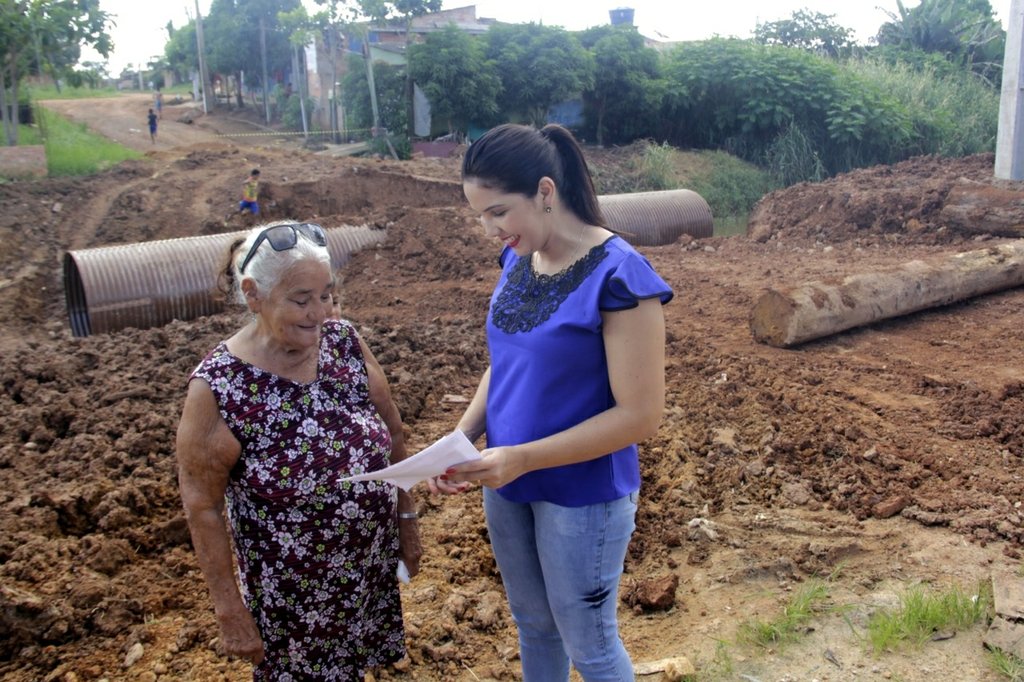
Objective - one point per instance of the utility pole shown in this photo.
(263, 59)
(1010, 135)
(203, 80)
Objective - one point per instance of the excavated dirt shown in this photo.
(886, 456)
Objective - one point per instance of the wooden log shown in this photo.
(789, 317)
(980, 208)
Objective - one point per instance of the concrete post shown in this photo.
(1010, 137)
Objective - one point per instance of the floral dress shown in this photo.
(316, 558)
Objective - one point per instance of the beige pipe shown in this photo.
(151, 283)
(657, 218)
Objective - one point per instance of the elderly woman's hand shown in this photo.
(239, 635)
(409, 548)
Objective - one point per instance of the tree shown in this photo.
(48, 34)
(964, 31)
(539, 66)
(456, 77)
(180, 51)
(390, 96)
(812, 31)
(240, 32)
(622, 104)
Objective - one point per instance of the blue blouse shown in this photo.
(548, 366)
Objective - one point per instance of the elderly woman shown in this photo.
(273, 418)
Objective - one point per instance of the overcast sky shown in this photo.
(140, 32)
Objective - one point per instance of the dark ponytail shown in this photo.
(513, 158)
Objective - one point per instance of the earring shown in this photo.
(547, 209)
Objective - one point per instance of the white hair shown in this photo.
(267, 266)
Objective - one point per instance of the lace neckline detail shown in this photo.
(529, 299)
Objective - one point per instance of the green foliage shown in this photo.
(46, 36)
(730, 185)
(657, 169)
(811, 31)
(291, 111)
(952, 111)
(626, 95)
(72, 150)
(382, 145)
(181, 51)
(805, 603)
(1007, 665)
(39, 92)
(539, 66)
(964, 32)
(390, 85)
(791, 158)
(796, 111)
(455, 75)
(232, 33)
(922, 612)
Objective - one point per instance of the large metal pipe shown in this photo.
(657, 218)
(151, 283)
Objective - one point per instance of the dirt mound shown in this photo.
(899, 203)
(771, 465)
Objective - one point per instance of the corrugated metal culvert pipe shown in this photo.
(151, 283)
(657, 218)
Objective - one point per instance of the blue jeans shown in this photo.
(561, 569)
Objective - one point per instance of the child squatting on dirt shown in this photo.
(250, 193)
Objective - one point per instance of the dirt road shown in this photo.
(883, 457)
(123, 119)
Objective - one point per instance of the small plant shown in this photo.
(923, 612)
(791, 158)
(802, 606)
(657, 171)
(1007, 665)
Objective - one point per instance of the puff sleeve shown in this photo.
(630, 282)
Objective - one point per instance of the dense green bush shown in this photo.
(749, 98)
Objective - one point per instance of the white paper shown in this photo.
(453, 449)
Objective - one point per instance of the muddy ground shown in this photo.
(885, 456)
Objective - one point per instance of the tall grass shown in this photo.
(657, 169)
(954, 114)
(923, 612)
(72, 150)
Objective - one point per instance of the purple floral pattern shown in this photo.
(316, 557)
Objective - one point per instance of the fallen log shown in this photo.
(789, 317)
(980, 208)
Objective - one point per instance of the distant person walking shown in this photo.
(251, 193)
(152, 126)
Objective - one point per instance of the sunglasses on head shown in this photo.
(284, 237)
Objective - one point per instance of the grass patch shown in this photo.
(923, 612)
(72, 150)
(803, 605)
(38, 92)
(1007, 665)
(29, 135)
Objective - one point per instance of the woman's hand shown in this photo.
(495, 468)
(409, 548)
(439, 485)
(239, 635)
